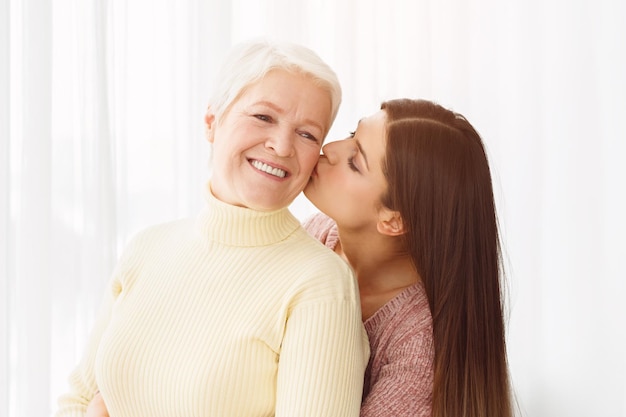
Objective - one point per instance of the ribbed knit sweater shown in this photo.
(234, 313)
(399, 376)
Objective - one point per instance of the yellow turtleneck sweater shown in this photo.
(235, 313)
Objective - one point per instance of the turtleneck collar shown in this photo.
(240, 226)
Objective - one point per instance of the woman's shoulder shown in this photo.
(408, 308)
(155, 236)
(152, 234)
(322, 228)
(405, 320)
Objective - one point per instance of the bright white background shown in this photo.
(101, 106)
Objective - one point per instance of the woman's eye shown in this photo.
(352, 133)
(352, 165)
(307, 135)
(263, 117)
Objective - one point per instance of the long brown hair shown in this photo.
(439, 180)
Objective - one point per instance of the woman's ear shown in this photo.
(209, 125)
(390, 223)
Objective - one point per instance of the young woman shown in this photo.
(412, 207)
(238, 311)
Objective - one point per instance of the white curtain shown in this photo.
(101, 105)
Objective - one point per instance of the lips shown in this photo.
(268, 169)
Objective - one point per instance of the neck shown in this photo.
(240, 226)
(382, 266)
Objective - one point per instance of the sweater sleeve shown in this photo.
(82, 380)
(322, 361)
(404, 385)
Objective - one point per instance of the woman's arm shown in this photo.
(322, 361)
(403, 385)
(322, 228)
(82, 380)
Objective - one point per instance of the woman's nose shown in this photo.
(332, 151)
(281, 143)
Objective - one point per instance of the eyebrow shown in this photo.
(282, 111)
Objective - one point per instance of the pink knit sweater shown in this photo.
(399, 375)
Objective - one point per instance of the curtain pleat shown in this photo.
(29, 171)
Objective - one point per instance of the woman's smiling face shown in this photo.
(348, 181)
(268, 142)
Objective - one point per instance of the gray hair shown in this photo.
(248, 62)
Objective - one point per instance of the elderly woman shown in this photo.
(238, 311)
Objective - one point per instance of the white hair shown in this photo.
(248, 62)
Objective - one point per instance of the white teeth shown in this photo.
(277, 172)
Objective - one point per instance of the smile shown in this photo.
(261, 166)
